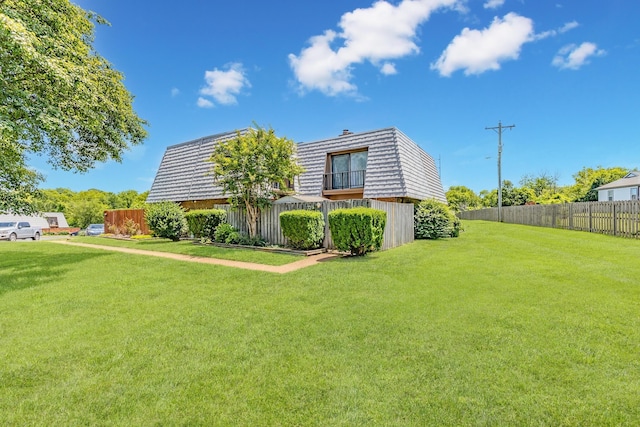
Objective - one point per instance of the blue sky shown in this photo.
(565, 72)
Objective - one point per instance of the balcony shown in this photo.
(344, 180)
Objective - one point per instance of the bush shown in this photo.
(130, 227)
(303, 229)
(222, 232)
(357, 230)
(166, 219)
(252, 241)
(434, 220)
(203, 222)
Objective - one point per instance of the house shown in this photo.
(626, 188)
(44, 220)
(383, 164)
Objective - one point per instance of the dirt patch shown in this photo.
(280, 269)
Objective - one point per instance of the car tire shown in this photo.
(13, 237)
(36, 236)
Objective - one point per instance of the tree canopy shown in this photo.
(461, 198)
(254, 168)
(58, 97)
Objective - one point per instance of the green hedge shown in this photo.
(203, 222)
(166, 219)
(357, 230)
(434, 220)
(303, 229)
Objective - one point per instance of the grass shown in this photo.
(506, 325)
(188, 248)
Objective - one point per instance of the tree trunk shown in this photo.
(252, 219)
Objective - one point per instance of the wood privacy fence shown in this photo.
(615, 218)
(119, 216)
(398, 231)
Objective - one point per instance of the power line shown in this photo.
(499, 129)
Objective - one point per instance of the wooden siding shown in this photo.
(620, 218)
(119, 216)
(398, 231)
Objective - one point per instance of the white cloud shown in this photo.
(568, 26)
(493, 4)
(375, 34)
(175, 92)
(477, 51)
(552, 33)
(573, 57)
(223, 86)
(388, 69)
(204, 103)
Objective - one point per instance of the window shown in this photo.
(347, 171)
(610, 195)
(634, 193)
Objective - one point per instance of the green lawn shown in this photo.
(189, 248)
(506, 325)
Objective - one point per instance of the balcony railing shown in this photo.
(344, 180)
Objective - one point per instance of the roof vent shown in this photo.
(346, 132)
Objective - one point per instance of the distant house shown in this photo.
(43, 220)
(382, 164)
(625, 188)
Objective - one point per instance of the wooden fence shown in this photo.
(615, 218)
(117, 218)
(398, 231)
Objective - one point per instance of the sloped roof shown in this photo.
(184, 171)
(632, 179)
(396, 167)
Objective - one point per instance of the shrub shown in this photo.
(434, 220)
(203, 222)
(166, 219)
(222, 232)
(303, 229)
(252, 241)
(130, 227)
(357, 230)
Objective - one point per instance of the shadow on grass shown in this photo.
(28, 269)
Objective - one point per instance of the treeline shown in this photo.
(540, 189)
(87, 207)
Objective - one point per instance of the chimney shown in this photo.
(346, 132)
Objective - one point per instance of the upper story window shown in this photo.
(610, 195)
(634, 193)
(347, 171)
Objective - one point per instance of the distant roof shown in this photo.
(632, 179)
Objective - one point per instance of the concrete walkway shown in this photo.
(280, 269)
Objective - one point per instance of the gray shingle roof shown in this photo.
(396, 167)
(632, 179)
(183, 172)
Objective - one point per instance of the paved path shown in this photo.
(281, 269)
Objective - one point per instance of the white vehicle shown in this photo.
(14, 230)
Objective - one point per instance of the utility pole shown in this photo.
(498, 129)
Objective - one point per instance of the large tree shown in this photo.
(58, 97)
(588, 179)
(254, 168)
